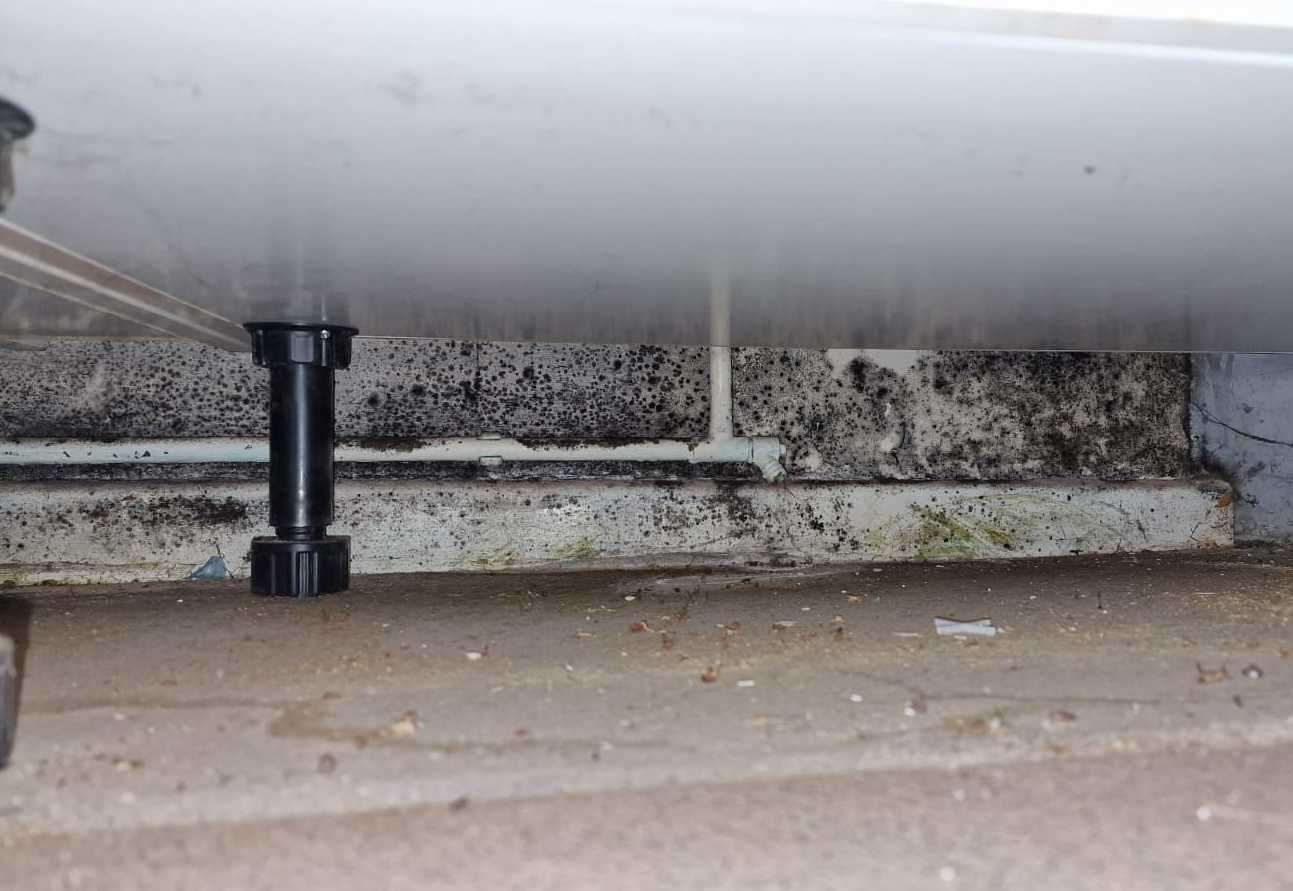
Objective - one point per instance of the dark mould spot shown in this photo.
(173, 510)
(384, 443)
(580, 442)
(228, 511)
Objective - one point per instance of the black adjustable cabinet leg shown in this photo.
(301, 559)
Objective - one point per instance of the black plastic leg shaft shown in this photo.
(300, 450)
(302, 560)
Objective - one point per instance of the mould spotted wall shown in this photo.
(844, 414)
(905, 415)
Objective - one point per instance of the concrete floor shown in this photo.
(1131, 728)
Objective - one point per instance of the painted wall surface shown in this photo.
(892, 455)
(126, 531)
(1241, 422)
(844, 414)
(906, 415)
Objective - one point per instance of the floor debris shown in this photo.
(973, 627)
(214, 570)
(403, 727)
(975, 725)
(1212, 675)
(1208, 812)
(1252, 672)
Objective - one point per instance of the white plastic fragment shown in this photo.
(976, 627)
(212, 570)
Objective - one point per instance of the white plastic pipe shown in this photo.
(763, 452)
(720, 357)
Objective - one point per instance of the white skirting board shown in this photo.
(112, 532)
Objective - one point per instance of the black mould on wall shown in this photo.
(396, 390)
(843, 414)
(968, 415)
(573, 392)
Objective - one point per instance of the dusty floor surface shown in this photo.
(1131, 728)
